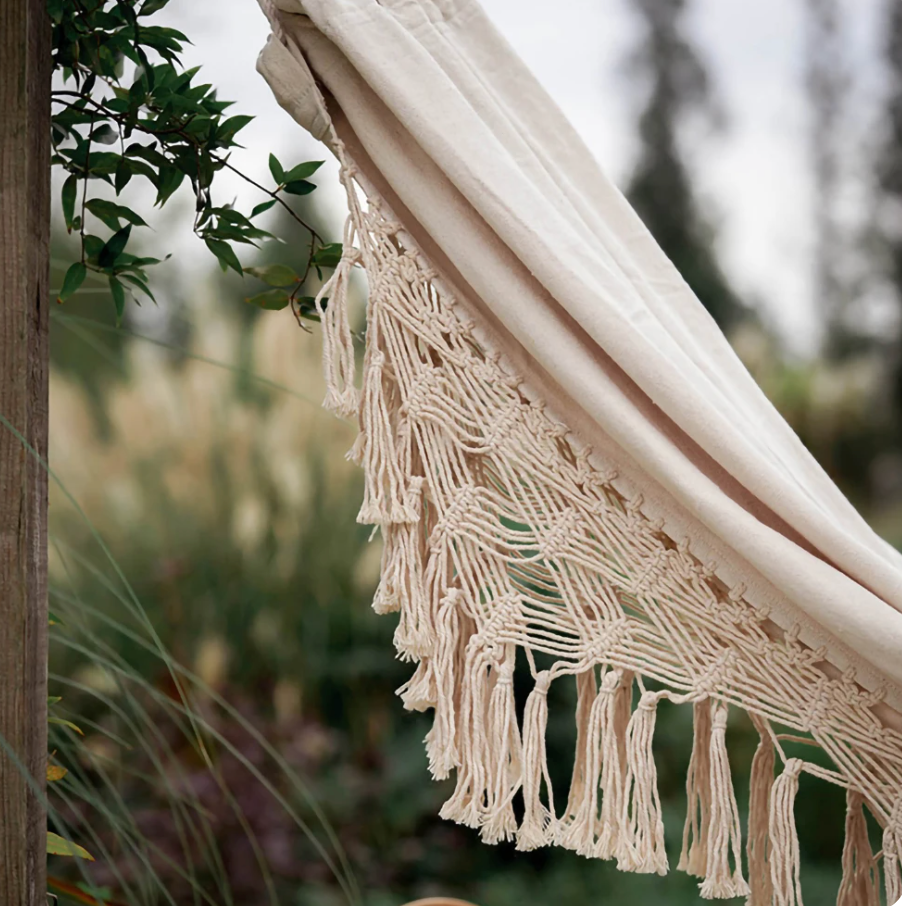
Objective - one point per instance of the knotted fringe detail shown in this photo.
(441, 740)
(784, 839)
(538, 826)
(505, 754)
(859, 885)
(419, 693)
(387, 496)
(758, 846)
(600, 760)
(641, 848)
(338, 343)
(402, 585)
(467, 803)
(724, 832)
(694, 855)
(892, 856)
(580, 783)
(613, 765)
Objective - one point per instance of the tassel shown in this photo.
(642, 849)
(504, 749)
(613, 766)
(467, 803)
(784, 840)
(338, 344)
(694, 855)
(402, 587)
(859, 870)
(441, 747)
(579, 782)
(598, 751)
(758, 845)
(724, 833)
(892, 856)
(419, 692)
(538, 827)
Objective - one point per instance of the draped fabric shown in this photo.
(575, 478)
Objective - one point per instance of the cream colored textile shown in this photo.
(566, 459)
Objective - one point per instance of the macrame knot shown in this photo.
(422, 393)
(649, 701)
(609, 635)
(463, 501)
(556, 540)
(543, 682)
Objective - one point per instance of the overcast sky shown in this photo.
(753, 176)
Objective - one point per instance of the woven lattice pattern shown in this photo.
(503, 532)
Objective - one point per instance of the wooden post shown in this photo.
(24, 304)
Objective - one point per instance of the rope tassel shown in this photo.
(784, 839)
(600, 764)
(859, 870)
(642, 849)
(537, 828)
(338, 344)
(892, 856)
(441, 743)
(505, 751)
(694, 855)
(758, 846)
(724, 833)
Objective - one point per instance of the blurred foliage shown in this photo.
(176, 130)
(677, 88)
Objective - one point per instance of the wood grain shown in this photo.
(24, 305)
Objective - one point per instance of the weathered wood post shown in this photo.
(24, 302)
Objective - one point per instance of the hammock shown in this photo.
(573, 473)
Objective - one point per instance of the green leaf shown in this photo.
(263, 206)
(66, 723)
(274, 274)
(271, 300)
(53, 700)
(118, 291)
(59, 846)
(111, 213)
(74, 278)
(105, 134)
(328, 255)
(113, 248)
(168, 181)
(299, 187)
(278, 174)
(123, 174)
(228, 129)
(70, 192)
(140, 283)
(225, 253)
(303, 171)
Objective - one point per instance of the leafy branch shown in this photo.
(167, 130)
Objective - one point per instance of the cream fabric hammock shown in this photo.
(572, 471)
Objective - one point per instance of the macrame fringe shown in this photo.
(859, 885)
(338, 343)
(613, 808)
(892, 857)
(505, 754)
(758, 846)
(724, 833)
(441, 741)
(694, 855)
(641, 848)
(538, 826)
(784, 840)
(587, 833)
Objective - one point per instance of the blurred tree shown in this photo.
(826, 82)
(661, 186)
(889, 171)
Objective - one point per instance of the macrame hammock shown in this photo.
(572, 472)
